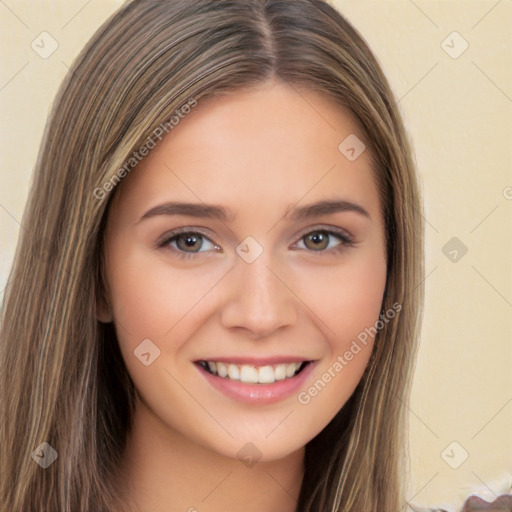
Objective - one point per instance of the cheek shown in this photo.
(149, 298)
(347, 301)
(347, 298)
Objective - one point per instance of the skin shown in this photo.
(259, 152)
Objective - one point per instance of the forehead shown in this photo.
(270, 146)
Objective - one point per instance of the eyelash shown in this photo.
(346, 240)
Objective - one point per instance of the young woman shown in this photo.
(215, 301)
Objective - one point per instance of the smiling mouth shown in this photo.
(251, 374)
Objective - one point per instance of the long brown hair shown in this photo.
(63, 380)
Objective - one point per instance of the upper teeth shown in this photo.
(253, 374)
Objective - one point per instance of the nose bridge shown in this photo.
(261, 284)
(257, 299)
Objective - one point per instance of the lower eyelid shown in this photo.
(343, 244)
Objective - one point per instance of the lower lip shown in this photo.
(258, 393)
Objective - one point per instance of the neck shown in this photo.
(164, 471)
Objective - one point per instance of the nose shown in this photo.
(257, 299)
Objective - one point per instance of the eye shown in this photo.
(323, 240)
(187, 242)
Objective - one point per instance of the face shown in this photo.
(245, 257)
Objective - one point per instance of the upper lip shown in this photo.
(256, 361)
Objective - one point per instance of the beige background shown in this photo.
(459, 114)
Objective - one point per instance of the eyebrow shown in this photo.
(202, 210)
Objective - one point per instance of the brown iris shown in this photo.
(317, 240)
(189, 241)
